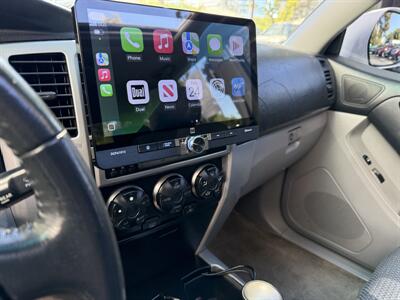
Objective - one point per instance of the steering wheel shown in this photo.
(69, 251)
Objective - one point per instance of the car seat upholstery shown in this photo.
(384, 283)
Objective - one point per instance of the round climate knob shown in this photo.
(169, 193)
(127, 207)
(207, 182)
(196, 144)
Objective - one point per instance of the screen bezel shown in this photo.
(84, 40)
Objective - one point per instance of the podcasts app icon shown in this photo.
(236, 45)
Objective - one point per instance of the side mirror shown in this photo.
(373, 39)
(384, 43)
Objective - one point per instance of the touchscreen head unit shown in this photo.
(159, 78)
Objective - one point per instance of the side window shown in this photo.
(374, 38)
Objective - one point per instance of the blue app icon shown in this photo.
(238, 87)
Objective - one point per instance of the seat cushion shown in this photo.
(384, 283)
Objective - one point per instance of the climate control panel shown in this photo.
(128, 207)
(169, 193)
(157, 200)
(207, 182)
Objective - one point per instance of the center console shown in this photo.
(153, 202)
(168, 92)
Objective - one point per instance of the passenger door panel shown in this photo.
(386, 118)
(345, 194)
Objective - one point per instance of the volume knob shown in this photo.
(196, 144)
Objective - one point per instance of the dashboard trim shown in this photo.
(71, 51)
(102, 181)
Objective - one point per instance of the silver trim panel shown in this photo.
(45, 145)
(102, 181)
(70, 50)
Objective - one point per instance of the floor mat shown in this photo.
(296, 273)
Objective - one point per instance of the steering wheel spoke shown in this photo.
(70, 248)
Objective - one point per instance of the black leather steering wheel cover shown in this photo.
(71, 247)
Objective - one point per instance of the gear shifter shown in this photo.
(260, 290)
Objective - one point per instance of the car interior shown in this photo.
(174, 150)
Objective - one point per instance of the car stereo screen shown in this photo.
(158, 71)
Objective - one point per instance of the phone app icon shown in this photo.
(194, 89)
(214, 44)
(190, 43)
(106, 90)
(163, 41)
(138, 92)
(104, 75)
(238, 87)
(168, 90)
(236, 45)
(102, 59)
(132, 39)
(217, 88)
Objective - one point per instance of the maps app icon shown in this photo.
(190, 43)
(102, 59)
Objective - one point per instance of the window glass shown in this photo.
(377, 46)
(276, 20)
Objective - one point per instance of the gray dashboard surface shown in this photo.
(291, 85)
(34, 20)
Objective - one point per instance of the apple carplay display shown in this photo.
(155, 73)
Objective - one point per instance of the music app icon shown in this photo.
(163, 41)
(104, 75)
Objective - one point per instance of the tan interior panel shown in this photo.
(334, 196)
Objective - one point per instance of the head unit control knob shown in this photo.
(207, 182)
(196, 144)
(169, 193)
(127, 207)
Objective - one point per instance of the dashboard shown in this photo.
(177, 114)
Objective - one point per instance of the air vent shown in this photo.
(330, 84)
(47, 74)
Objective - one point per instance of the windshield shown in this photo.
(276, 20)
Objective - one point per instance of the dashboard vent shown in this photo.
(330, 84)
(47, 74)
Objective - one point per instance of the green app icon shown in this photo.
(214, 44)
(131, 39)
(106, 90)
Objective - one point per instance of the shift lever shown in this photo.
(260, 290)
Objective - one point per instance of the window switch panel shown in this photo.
(378, 175)
(367, 159)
